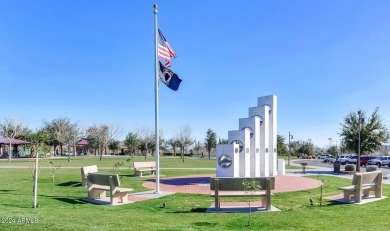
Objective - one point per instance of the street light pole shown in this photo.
(360, 121)
(289, 147)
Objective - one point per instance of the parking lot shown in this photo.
(320, 163)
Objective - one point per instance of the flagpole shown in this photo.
(156, 68)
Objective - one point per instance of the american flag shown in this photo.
(164, 50)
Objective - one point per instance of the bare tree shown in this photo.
(102, 135)
(198, 147)
(10, 128)
(146, 138)
(38, 140)
(52, 128)
(184, 139)
(67, 134)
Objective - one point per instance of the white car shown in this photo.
(324, 156)
(349, 160)
(343, 158)
(379, 161)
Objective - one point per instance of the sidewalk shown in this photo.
(315, 170)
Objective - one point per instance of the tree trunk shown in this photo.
(69, 154)
(9, 150)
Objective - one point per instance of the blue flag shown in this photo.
(169, 78)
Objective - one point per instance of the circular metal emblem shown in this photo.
(236, 150)
(257, 150)
(225, 161)
(266, 150)
(247, 150)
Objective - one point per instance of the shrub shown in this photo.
(371, 168)
(350, 168)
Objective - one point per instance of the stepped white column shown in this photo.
(253, 124)
(243, 138)
(272, 102)
(228, 160)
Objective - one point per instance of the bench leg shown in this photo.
(358, 196)
(268, 194)
(264, 202)
(366, 192)
(217, 203)
(347, 195)
(92, 194)
(378, 192)
(119, 198)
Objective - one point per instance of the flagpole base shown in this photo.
(157, 192)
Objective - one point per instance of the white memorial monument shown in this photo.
(251, 151)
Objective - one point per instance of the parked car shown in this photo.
(364, 159)
(329, 160)
(343, 158)
(349, 160)
(379, 161)
(324, 156)
(66, 153)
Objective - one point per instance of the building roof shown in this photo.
(13, 141)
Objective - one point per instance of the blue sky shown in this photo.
(93, 62)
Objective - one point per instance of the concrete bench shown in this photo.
(99, 184)
(233, 187)
(140, 167)
(362, 184)
(84, 173)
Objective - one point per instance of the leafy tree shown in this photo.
(132, 142)
(210, 141)
(294, 147)
(222, 141)
(10, 129)
(373, 132)
(114, 145)
(305, 148)
(333, 150)
(38, 140)
(281, 146)
(174, 143)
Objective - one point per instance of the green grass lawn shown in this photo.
(62, 208)
(109, 161)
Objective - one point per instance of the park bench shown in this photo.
(140, 167)
(233, 187)
(84, 173)
(362, 184)
(99, 184)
